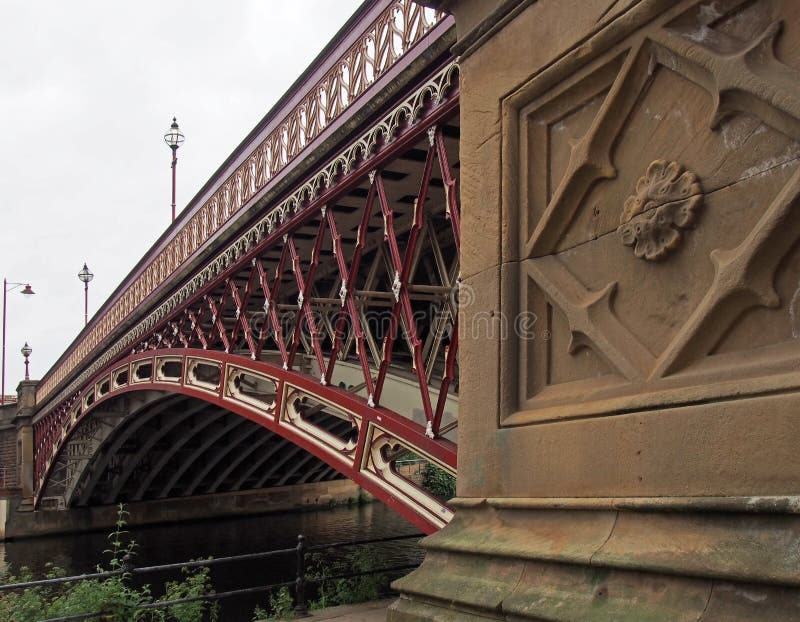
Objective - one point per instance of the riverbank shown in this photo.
(300, 497)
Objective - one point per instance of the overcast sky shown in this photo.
(87, 90)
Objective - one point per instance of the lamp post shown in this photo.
(9, 287)
(85, 275)
(174, 139)
(26, 352)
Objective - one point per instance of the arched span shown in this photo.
(285, 402)
(175, 446)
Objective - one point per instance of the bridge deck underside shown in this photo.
(180, 446)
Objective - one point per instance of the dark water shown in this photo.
(220, 538)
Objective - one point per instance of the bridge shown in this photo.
(558, 238)
(298, 321)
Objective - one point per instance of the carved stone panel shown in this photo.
(658, 207)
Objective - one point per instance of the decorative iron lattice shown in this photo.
(396, 30)
(434, 99)
(351, 282)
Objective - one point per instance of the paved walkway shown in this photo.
(374, 611)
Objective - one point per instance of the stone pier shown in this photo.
(629, 415)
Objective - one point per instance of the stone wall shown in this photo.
(8, 448)
(277, 499)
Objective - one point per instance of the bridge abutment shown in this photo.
(629, 185)
(23, 421)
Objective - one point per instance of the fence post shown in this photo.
(127, 567)
(300, 606)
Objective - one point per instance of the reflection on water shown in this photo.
(223, 537)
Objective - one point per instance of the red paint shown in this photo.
(46, 430)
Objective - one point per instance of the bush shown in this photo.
(281, 607)
(439, 482)
(348, 590)
(330, 592)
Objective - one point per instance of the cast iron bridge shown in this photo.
(298, 321)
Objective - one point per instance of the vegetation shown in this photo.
(435, 480)
(281, 607)
(347, 590)
(439, 482)
(330, 592)
(115, 597)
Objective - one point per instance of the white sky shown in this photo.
(87, 90)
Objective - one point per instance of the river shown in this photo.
(222, 537)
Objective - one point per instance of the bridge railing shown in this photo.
(375, 50)
(300, 582)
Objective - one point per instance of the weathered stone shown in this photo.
(630, 180)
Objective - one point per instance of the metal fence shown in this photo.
(300, 583)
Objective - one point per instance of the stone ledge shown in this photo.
(736, 546)
(512, 563)
(767, 504)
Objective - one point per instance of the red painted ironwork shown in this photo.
(378, 429)
(370, 151)
(299, 291)
(348, 278)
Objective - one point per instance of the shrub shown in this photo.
(280, 607)
(348, 590)
(439, 482)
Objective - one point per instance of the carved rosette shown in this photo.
(667, 200)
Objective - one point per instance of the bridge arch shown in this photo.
(331, 424)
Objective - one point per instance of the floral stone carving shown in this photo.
(667, 200)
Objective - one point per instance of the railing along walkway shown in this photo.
(300, 582)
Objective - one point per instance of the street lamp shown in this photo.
(26, 291)
(174, 139)
(26, 352)
(85, 275)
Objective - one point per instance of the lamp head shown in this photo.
(85, 274)
(174, 138)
